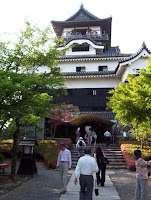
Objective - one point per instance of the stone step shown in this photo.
(113, 153)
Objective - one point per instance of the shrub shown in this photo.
(128, 148)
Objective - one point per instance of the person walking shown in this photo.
(141, 175)
(89, 136)
(85, 168)
(77, 134)
(99, 156)
(64, 163)
(107, 135)
(80, 146)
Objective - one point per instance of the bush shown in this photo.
(49, 151)
(128, 148)
(122, 139)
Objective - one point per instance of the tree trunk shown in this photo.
(142, 144)
(14, 149)
(35, 132)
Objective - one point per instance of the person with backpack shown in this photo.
(101, 161)
(80, 146)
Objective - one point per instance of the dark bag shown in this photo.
(103, 160)
(80, 143)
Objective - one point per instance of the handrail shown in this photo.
(98, 36)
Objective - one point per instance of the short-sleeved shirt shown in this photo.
(107, 134)
(141, 169)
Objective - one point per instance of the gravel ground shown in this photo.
(43, 186)
(125, 183)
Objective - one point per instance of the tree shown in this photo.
(26, 93)
(57, 116)
(131, 101)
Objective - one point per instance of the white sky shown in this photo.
(130, 18)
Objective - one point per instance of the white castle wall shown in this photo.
(89, 65)
(110, 82)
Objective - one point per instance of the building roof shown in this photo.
(86, 117)
(136, 53)
(82, 15)
(112, 52)
(133, 56)
(105, 114)
(89, 73)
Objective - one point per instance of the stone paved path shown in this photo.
(43, 186)
(108, 192)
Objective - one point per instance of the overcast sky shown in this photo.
(131, 19)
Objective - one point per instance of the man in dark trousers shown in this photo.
(85, 168)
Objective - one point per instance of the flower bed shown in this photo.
(49, 151)
(45, 150)
(128, 148)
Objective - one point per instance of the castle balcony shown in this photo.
(97, 37)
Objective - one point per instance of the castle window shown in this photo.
(80, 69)
(83, 47)
(94, 92)
(102, 68)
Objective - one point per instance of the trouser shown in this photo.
(77, 137)
(89, 139)
(107, 141)
(80, 151)
(63, 168)
(141, 189)
(86, 187)
(102, 179)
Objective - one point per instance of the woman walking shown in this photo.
(102, 166)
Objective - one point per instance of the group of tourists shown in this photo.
(89, 164)
(86, 166)
(90, 135)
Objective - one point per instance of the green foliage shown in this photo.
(132, 103)
(26, 93)
(24, 90)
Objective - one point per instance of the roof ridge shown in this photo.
(85, 11)
(137, 52)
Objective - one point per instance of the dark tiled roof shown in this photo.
(87, 38)
(137, 53)
(105, 114)
(88, 73)
(82, 15)
(111, 52)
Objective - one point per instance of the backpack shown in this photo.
(80, 143)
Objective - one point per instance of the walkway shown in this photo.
(108, 192)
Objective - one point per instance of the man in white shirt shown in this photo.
(107, 135)
(85, 168)
(64, 163)
(80, 146)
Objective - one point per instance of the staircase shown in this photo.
(113, 153)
